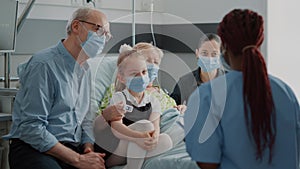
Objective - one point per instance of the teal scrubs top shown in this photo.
(216, 131)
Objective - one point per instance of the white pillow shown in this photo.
(103, 70)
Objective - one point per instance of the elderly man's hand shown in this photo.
(90, 160)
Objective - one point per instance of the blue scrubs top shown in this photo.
(216, 131)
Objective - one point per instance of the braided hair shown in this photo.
(241, 32)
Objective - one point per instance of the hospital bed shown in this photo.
(103, 75)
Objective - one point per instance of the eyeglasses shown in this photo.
(99, 30)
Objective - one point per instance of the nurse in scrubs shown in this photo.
(246, 119)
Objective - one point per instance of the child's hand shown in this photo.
(153, 141)
(151, 133)
(148, 140)
(181, 108)
(154, 138)
(114, 112)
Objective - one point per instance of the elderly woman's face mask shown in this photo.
(152, 71)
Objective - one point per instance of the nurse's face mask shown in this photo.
(95, 41)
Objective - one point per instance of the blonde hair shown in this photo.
(139, 51)
(144, 46)
(126, 52)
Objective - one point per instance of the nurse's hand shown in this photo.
(114, 112)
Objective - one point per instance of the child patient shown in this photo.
(139, 131)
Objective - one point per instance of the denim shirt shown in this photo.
(53, 101)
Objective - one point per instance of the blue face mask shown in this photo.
(152, 71)
(137, 83)
(94, 44)
(208, 64)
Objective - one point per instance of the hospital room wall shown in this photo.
(198, 12)
(178, 16)
(38, 34)
(283, 32)
(280, 37)
(35, 35)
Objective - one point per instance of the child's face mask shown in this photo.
(137, 83)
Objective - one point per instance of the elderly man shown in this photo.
(52, 124)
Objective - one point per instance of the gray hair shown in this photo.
(79, 14)
(144, 46)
